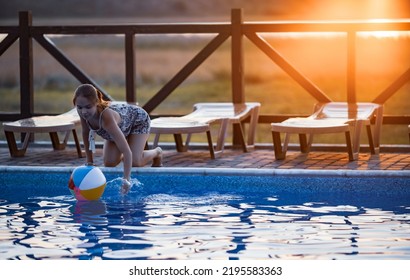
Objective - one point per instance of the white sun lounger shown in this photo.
(200, 120)
(332, 117)
(65, 123)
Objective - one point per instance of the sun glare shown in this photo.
(377, 11)
(357, 9)
(384, 34)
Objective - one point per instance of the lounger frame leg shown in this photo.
(370, 137)
(55, 141)
(57, 145)
(12, 144)
(223, 131)
(242, 138)
(304, 146)
(277, 146)
(77, 144)
(377, 129)
(179, 143)
(183, 147)
(210, 144)
(358, 124)
(352, 156)
(252, 126)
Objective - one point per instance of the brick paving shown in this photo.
(260, 158)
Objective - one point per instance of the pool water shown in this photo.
(171, 216)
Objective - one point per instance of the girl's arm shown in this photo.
(85, 133)
(109, 123)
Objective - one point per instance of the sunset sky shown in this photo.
(355, 9)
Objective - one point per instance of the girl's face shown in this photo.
(85, 108)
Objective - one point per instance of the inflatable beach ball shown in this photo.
(87, 183)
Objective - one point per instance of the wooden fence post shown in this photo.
(351, 67)
(130, 67)
(238, 95)
(237, 69)
(26, 65)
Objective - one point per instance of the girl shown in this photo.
(124, 127)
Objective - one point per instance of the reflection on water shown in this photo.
(90, 212)
(202, 226)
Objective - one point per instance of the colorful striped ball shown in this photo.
(87, 183)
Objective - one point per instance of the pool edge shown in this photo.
(224, 171)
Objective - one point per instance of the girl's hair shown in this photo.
(91, 93)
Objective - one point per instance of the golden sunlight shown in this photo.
(383, 34)
(358, 9)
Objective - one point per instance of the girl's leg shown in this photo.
(112, 156)
(141, 157)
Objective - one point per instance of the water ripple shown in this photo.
(206, 226)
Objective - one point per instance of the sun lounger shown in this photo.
(332, 117)
(53, 125)
(63, 123)
(200, 120)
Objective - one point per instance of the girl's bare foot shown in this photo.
(157, 161)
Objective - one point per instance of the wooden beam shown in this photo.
(75, 70)
(310, 87)
(8, 41)
(167, 89)
(393, 88)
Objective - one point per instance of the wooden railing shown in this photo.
(236, 30)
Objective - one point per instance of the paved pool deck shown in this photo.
(259, 158)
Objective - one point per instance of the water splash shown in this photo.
(117, 183)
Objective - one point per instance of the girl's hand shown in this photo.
(126, 186)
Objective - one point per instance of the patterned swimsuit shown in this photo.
(134, 120)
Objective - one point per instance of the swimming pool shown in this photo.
(208, 214)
